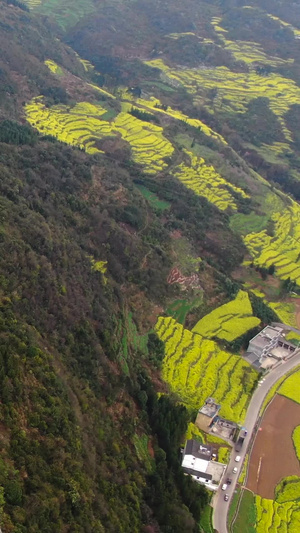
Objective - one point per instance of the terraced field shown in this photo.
(281, 515)
(228, 321)
(286, 313)
(66, 13)
(234, 90)
(153, 102)
(283, 248)
(82, 126)
(248, 52)
(205, 181)
(196, 368)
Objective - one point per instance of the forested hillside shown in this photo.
(149, 163)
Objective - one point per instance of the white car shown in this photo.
(234, 471)
(238, 458)
(224, 486)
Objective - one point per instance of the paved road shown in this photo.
(220, 506)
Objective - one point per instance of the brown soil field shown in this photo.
(273, 456)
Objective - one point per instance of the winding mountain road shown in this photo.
(220, 506)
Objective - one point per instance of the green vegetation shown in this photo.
(223, 454)
(206, 520)
(180, 308)
(153, 199)
(233, 505)
(244, 470)
(291, 387)
(136, 189)
(246, 518)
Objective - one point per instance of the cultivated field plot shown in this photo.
(82, 126)
(153, 103)
(229, 321)
(283, 248)
(274, 441)
(234, 90)
(247, 51)
(66, 13)
(281, 515)
(205, 181)
(286, 311)
(196, 368)
(291, 387)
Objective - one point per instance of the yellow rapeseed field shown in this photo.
(205, 181)
(229, 321)
(283, 248)
(196, 368)
(82, 125)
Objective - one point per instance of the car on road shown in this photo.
(229, 481)
(238, 458)
(226, 497)
(234, 471)
(224, 486)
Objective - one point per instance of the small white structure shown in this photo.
(197, 462)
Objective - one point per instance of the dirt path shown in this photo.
(273, 456)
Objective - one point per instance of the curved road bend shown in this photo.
(220, 506)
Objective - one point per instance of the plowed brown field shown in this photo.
(273, 456)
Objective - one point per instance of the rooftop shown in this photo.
(264, 337)
(210, 408)
(198, 450)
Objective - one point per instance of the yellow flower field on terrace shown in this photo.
(247, 51)
(286, 313)
(229, 321)
(205, 181)
(282, 249)
(291, 387)
(82, 126)
(178, 115)
(235, 89)
(196, 368)
(274, 517)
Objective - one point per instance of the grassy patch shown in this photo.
(141, 448)
(244, 224)
(153, 199)
(244, 470)
(233, 506)
(206, 520)
(180, 308)
(246, 518)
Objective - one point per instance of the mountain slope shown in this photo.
(139, 169)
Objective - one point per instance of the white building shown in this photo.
(198, 462)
